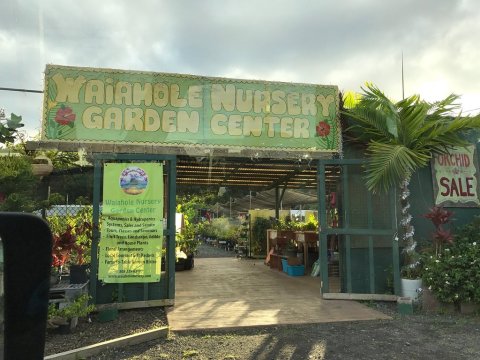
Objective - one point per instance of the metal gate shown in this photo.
(359, 250)
(136, 295)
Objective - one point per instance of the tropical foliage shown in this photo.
(439, 217)
(17, 184)
(259, 234)
(287, 224)
(401, 138)
(454, 274)
(189, 205)
(72, 237)
(8, 127)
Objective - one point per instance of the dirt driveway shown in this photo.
(417, 336)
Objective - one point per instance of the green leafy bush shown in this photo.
(311, 224)
(78, 308)
(454, 275)
(17, 184)
(259, 235)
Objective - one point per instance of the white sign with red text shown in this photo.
(455, 178)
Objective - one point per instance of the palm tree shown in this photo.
(401, 138)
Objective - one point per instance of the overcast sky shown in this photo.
(344, 43)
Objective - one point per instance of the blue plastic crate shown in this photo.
(297, 270)
(284, 265)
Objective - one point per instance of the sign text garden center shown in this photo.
(98, 105)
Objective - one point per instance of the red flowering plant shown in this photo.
(72, 238)
(439, 217)
(64, 244)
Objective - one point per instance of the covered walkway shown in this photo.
(229, 292)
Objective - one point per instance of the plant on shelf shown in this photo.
(187, 242)
(64, 244)
(72, 238)
(68, 315)
(286, 224)
(453, 275)
(311, 224)
(187, 239)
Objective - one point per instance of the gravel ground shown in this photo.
(88, 333)
(419, 336)
(129, 321)
(410, 337)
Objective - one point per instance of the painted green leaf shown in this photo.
(52, 90)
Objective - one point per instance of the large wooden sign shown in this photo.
(455, 178)
(85, 105)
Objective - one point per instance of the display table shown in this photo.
(307, 239)
(276, 261)
(64, 292)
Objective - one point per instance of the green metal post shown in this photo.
(277, 203)
(97, 178)
(322, 214)
(172, 205)
(370, 243)
(346, 204)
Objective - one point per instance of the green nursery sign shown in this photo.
(133, 107)
(132, 223)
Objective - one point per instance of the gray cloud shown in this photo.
(343, 43)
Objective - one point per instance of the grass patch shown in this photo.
(190, 353)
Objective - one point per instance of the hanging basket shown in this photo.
(42, 166)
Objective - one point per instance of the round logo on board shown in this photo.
(133, 180)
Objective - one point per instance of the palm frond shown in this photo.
(389, 164)
(402, 137)
(445, 107)
(375, 99)
(412, 121)
(367, 121)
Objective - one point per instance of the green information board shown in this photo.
(132, 223)
(133, 107)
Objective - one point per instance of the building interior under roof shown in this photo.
(255, 175)
(286, 172)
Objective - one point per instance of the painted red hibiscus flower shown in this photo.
(323, 129)
(65, 115)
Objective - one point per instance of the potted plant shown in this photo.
(63, 243)
(66, 318)
(187, 245)
(286, 228)
(71, 245)
(411, 275)
(80, 255)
